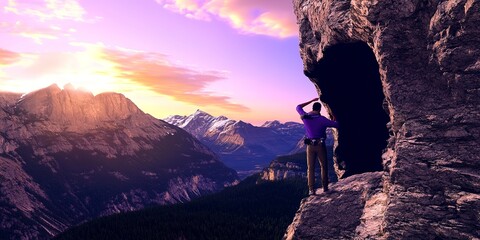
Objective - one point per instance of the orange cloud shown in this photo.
(8, 57)
(184, 84)
(267, 17)
(47, 9)
(100, 68)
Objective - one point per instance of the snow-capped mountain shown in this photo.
(67, 156)
(199, 123)
(241, 145)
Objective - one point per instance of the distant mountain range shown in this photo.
(67, 156)
(240, 145)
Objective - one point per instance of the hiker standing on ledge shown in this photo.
(315, 126)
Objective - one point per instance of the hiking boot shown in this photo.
(311, 192)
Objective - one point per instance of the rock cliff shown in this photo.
(286, 167)
(67, 156)
(323, 216)
(409, 72)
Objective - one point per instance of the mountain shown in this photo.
(67, 156)
(240, 145)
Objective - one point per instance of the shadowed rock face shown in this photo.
(351, 87)
(429, 72)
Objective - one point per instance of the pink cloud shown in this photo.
(159, 75)
(8, 57)
(190, 8)
(36, 32)
(47, 9)
(267, 17)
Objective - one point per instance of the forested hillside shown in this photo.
(249, 210)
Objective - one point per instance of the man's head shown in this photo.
(316, 106)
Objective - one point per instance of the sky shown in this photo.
(236, 58)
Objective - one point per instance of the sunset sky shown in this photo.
(238, 58)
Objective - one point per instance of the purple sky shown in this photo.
(237, 58)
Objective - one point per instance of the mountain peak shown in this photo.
(52, 89)
(221, 118)
(55, 144)
(53, 86)
(199, 112)
(274, 123)
(69, 86)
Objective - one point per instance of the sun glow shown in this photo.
(87, 70)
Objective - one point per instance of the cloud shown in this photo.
(84, 68)
(8, 57)
(100, 68)
(156, 72)
(265, 17)
(36, 32)
(47, 9)
(190, 8)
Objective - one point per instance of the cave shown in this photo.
(349, 82)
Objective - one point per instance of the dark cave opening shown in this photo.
(349, 80)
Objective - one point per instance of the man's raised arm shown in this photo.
(306, 103)
(301, 105)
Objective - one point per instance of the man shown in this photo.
(315, 126)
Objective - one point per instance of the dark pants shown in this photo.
(313, 153)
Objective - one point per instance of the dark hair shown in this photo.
(317, 106)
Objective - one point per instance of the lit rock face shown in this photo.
(323, 216)
(76, 108)
(67, 156)
(286, 167)
(408, 71)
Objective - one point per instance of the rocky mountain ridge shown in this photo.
(241, 145)
(67, 156)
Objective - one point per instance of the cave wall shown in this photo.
(349, 79)
(428, 58)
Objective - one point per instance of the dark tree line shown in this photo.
(249, 210)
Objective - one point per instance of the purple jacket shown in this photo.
(315, 125)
